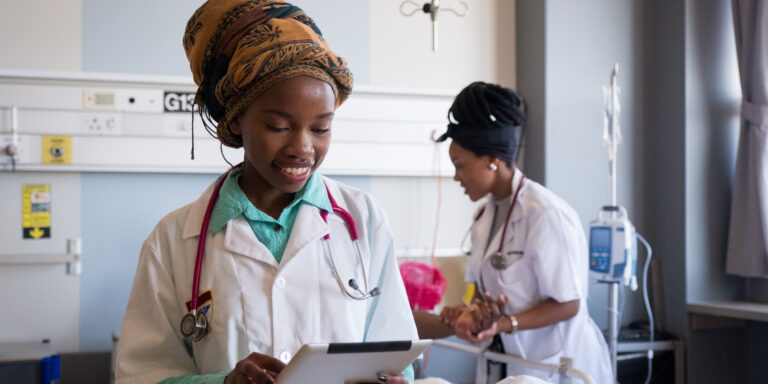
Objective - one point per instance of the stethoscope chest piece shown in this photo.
(500, 261)
(194, 327)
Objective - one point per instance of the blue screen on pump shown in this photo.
(600, 237)
(600, 249)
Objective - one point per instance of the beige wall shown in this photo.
(47, 35)
(479, 46)
(42, 34)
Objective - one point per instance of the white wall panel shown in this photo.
(41, 300)
(378, 131)
(479, 46)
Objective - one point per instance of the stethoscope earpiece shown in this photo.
(353, 284)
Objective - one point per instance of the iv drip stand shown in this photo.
(432, 8)
(612, 112)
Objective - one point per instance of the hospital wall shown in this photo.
(566, 52)
(680, 103)
(712, 109)
(143, 37)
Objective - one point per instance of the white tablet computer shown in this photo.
(350, 362)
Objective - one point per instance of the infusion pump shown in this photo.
(613, 247)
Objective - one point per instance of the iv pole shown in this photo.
(432, 8)
(612, 135)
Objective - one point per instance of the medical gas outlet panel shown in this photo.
(54, 121)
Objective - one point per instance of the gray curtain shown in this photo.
(748, 235)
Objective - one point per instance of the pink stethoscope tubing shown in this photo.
(509, 213)
(341, 212)
(499, 260)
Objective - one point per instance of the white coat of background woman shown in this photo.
(527, 244)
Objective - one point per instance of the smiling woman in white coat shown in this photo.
(229, 287)
(527, 244)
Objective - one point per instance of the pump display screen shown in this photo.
(600, 237)
(600, 249)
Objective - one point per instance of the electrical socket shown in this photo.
(183, 127)
(180, 125)
(102, 124)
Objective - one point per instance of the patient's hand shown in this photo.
(479, 321)
(449, 315)
(490, 310)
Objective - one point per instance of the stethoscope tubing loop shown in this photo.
(200, 321)
(203, 234)
(509, 213)
(500, 261)
(365, 294)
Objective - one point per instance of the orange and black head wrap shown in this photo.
(237, 49)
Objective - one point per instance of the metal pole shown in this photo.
(564, 368)
(433, 16)
(614, 126)
(614, 144)
(613, 324)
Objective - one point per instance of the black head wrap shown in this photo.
(486, 119)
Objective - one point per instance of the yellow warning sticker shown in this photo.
(36, 211)
(57, 149)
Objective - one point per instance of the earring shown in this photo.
(493, 166)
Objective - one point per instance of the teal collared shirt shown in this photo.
(274, 234)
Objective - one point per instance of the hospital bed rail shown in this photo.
(564, 369)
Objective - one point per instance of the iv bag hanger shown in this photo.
(432, 8)
(611, 128)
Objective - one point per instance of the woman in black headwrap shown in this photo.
(528, 245)
(228, 289)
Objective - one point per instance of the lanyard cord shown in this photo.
(509, 212)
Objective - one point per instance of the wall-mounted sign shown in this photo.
(178, 101)
(36, 211)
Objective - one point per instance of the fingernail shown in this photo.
(383, 378)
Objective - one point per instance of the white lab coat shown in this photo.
(548, 248)
(260, 305)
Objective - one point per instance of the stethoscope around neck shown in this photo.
(499, 260)
(194, 325)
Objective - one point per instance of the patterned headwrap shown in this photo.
(237, 49)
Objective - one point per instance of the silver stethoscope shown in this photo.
(194, 325)
(499, 260)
